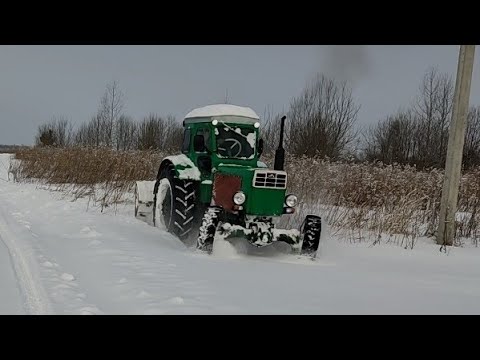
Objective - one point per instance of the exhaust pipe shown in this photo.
(280, 152)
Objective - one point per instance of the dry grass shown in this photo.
(393, 200)
(103, 175)
(386, 200)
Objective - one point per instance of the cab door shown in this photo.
(203, 159)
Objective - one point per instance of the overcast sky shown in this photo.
(38, 82)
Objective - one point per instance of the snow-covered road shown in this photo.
(10, 296)
(58, 257)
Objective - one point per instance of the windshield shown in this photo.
(235, 142)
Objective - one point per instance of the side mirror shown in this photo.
(260, 147)
(198, 143)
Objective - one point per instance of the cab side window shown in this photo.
(186, 141)
(206, 135)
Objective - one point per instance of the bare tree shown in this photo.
(270, 130)
(108, 114)
(90, 133)
(173, 134)
(418, 135)
(471, 149)
(322, 119)
(392, 140)
(158, 133)
(58, 133)
(126, 130)
(83, 137)
(150, 131)
(433, 110)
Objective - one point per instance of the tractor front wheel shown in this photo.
(208, 229)
(311, 231)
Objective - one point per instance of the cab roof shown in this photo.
(207, 112)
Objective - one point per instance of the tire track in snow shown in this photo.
(35, 297)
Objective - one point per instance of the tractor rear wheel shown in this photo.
(174, 203)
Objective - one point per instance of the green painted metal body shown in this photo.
(259, 201)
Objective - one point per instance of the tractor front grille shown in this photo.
(274, 179)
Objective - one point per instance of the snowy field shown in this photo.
(57, 257)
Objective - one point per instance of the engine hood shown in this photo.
(264, 188)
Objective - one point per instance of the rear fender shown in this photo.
(185, 169)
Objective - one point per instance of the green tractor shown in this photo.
(218, 187)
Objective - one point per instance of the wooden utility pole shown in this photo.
(453, 165)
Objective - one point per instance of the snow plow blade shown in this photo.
(144, 199)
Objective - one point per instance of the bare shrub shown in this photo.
(56, 133)
(392, 140)
(158, 133)
(126, 131)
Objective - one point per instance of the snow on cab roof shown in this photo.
(222, 110)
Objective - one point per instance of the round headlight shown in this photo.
(256, 125)
(291, 200)
(214, 122)
(239, 198)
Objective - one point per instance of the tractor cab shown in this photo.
(225, 134)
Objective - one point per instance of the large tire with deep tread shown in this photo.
(312, 230)
(178, 205)
(208, 229)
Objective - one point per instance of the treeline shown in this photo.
(322, 122)
(111, 128)
(418, 135)
(11, 148)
